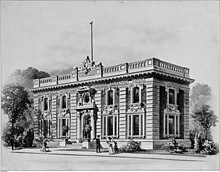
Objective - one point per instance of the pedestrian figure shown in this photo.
(98, 144)
(115, 147)
(12, 143)
(44, 146)
(110, 144)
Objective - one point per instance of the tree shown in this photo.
(15, 103)
(200, 95)
(25, 77)
(206, 118)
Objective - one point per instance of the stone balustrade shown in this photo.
(125, 68)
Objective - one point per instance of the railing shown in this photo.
(183, 71)
(139, 66)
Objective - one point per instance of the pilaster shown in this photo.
(186, 113)
(122, 116)
(152, 111)
(54, 116)
(36, 114)
(73, 116)
(99, 117)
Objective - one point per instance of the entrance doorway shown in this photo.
(86, 120)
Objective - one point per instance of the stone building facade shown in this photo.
(147, 101)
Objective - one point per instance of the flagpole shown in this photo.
(91, 42)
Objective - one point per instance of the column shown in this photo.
(175, 125)
(92, 125)
(122, 117)
(78, 126)
(140, 124)
(143, 129)
(54, 116)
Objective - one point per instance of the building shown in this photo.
(146, 101)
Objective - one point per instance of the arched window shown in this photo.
(46, 104)
(64, 102)
(171, 96)
(136, 95)
(110, 97)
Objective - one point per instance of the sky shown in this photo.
(55, 35)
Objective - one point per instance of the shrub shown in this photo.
(174, 147)
(131, 146)
(22, 137)
(209, 147)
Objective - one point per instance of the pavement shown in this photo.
(104, 153)
(84, 159)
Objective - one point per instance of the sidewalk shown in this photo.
(71, 152)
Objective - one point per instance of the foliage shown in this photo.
(131, 146)
(202, 118)
(209, 147)
(23, 136)
(25, 77)
(174, 147)
(16, 104)
(15, 101)
(205, 117)
(201, 94)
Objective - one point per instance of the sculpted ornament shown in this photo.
(111, 109)
(134, 107)
(87, 65)
(172, 108)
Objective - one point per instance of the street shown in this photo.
(71, 161)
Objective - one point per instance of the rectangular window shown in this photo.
(45, 127)
(110, 126)
(63, 127)
(171, 125)
(136, 125)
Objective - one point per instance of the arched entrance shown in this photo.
(85, 120)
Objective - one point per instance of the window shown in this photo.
(135, 95)
(45, 127)
(110, 97)
(64, 102)
(136, 125)
(171, 125)
(110, 126)
(63, 127)
(46, 104)
(171, 96)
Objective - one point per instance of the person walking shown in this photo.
(110, 144)
(98, 144)
(115, 147)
